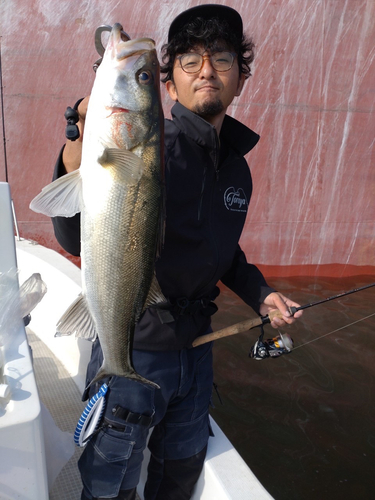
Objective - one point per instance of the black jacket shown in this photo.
(208, 189)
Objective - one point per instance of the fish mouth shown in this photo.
(119, 47)
(134, 48)
(122, 49)
(116, 110)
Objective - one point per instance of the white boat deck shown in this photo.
(61, 396)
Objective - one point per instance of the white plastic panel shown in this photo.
(22, 457)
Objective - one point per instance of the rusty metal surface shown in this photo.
(311, 98)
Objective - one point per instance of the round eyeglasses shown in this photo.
(193, 63)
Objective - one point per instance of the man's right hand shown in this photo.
(73, 149)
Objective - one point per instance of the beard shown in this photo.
(208, 109)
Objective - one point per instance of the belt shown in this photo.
(186, 306)
(183, 306)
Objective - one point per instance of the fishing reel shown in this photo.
(271, 348)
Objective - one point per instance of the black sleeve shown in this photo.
(67, 229)
(247, 281)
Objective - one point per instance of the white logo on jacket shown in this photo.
(235, 200)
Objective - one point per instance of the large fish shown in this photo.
(119, 191)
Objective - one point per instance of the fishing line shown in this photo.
(333, 331)
(273, 347)
(283, 343)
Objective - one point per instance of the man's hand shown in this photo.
(73, 149)
(278, 301)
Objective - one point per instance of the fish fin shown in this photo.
(77, 319)
(61, 198)
(31, 293)
(103, 373)
(130, 164)
(155, 295)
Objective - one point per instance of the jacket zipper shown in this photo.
(216, 164)
(202, 191)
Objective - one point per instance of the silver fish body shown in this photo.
(120, 199)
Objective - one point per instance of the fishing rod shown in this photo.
(276, 346)
(293, 310)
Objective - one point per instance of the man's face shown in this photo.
(207, 93)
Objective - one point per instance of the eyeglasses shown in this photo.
(193, 63)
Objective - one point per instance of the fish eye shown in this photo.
(145, 77)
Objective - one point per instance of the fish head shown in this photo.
(127, 89)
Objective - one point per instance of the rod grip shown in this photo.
(243, 326)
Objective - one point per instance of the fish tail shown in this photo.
(104, 374)
(139, 378)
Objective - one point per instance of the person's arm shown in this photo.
(67, 229)
(249, 284)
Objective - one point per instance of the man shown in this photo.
(206, 62)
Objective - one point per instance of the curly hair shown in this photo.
(210, 34)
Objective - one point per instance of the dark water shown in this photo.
(304, 422)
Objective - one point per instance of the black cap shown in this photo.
(208, 11)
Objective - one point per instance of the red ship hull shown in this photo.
(311, 98)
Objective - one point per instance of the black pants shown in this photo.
(172, 479)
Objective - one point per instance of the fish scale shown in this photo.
(119, 192)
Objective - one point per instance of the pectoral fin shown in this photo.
(78, 320)
(155, 295)
(124, 161)
(61, 198)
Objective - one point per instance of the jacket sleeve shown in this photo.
(67, 229)
(247, 281)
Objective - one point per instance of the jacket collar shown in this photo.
(234, 133)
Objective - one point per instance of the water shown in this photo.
(304, 422)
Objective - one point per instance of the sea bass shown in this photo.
(119, 191)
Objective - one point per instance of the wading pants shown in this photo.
(111, 462)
